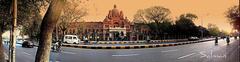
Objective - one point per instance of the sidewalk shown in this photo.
(133, 46)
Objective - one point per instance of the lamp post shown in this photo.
(201, 30)
(13, 35)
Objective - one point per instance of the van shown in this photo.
(73, 39)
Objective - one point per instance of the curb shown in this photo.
(132, 42)
(120, 47)
(133, 46)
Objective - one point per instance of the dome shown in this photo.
(115, 11)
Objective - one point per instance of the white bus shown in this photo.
(73, 39)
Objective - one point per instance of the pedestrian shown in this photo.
(86, 40)
(148, 39)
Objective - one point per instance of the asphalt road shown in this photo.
(198, 52)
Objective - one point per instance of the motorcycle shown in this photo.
(228, 40)
(54, 47)
(216, 40)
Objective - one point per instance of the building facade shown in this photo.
(114, 27)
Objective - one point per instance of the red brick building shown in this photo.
(114, 27)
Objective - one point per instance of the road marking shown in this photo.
(26, 53)
(186, 56)
(125, 55)
(203, 54)
(68, 52)
(169, 51)
(54, 61)
(6, 56)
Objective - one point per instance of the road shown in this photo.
(198, 52)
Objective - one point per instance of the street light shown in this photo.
(13, 35)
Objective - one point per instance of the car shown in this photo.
(193, 38)
(223, 37)
(27, 44)
(73, 39)
(19, 41)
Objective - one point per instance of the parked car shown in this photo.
(19, 41)
(223, 37)
(193, 38)
(73, 39)
(27, 44)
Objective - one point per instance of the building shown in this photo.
(114, 27)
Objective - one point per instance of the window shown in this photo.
(74, 37)
(106, 25)
(68, 37)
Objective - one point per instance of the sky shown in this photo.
(208, 11)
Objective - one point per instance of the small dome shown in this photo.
(106, 19)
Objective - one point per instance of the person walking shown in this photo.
(148, 39)
(85, 40)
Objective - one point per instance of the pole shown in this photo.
(238, 15)
(239, 6)
(13, 35)
(202, 30)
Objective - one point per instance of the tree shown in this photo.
(233, 14)
(185, 24)
(32, 28)
(157, 17)
(80, 29)
(72, 12)
(27, 11)
(48, 24)
(157, 14)
(30, 17)
(4, 23)
(139, 17)
(213, 30)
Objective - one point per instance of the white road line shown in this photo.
(26, 53)
(6, 56)
(68, 52)
(125, 55)
(169, 51)
(54, 61)
(186, 56)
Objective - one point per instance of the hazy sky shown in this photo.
(208, 11)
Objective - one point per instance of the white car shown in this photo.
(193, 38)
(72, 39)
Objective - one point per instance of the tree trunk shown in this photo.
(2, 57)
(48, 24)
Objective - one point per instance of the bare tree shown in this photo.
(153, 17)
(81, 28)
(157, 14)
(72, 12)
